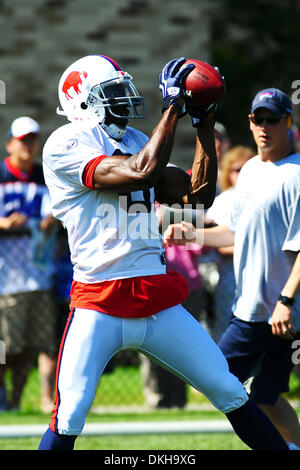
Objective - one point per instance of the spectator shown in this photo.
(265, 229)
(208, 266)
(232, 163)
(62, 280)
(27, 231)
(222, 143)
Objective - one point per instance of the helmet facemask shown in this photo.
(120, 100)
(118, 93)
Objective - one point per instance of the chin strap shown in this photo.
(113, 130)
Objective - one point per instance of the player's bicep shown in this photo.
(117, 173)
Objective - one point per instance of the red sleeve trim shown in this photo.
(89, 170)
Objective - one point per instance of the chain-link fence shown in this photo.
(35, 280)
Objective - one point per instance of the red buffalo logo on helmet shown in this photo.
(73, 80)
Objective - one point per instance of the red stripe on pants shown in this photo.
(53, 421)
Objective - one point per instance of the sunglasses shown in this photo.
(272, 120)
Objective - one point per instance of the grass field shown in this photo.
(180, 441)
(123, 387)
(151, 442)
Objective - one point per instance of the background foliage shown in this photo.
(256, 45)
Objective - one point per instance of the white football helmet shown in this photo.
(95, 83)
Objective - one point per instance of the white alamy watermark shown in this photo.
(143, 220)
(175, 214)
(2, 353)
(2, 92)
(296, 353)
(296, 94)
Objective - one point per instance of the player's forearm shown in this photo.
(215, 237)
(292, 286)
(205, 165)
(154, 157)
(143, 169)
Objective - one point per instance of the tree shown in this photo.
(256, 45)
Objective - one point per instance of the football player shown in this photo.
(104, 177)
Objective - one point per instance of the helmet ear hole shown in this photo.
(83, 106)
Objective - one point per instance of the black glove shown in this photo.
(199, 114)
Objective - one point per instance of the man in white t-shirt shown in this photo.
(103, 179)
(265, 229)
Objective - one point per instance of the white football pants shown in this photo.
(172, 337)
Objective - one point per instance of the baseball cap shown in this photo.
(23, 126)
(274, 100)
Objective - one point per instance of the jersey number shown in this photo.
(135, 206)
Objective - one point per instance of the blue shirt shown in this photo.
(23, 266)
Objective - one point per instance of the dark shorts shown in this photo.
(252, 351)
(27, 320)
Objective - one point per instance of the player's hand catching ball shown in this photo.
(171, 79)
(204, 87)
(199, 114)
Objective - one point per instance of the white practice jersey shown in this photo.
(111, 236)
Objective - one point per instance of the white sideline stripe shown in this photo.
(145, 427)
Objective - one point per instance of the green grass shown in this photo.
(178, 441)
(124, 387)
(151, 442)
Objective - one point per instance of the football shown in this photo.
(204, 84)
